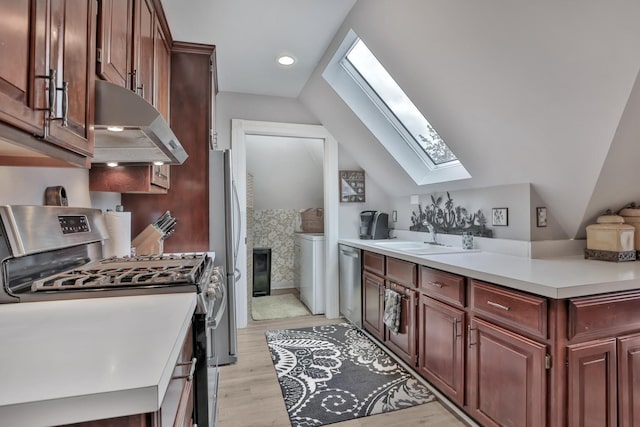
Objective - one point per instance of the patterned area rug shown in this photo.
(335, 373)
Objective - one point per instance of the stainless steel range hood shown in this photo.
(142, 136)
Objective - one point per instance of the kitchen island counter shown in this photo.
(561, 277)
(76, 360)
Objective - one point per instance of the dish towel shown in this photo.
(392, 310)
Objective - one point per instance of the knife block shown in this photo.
(149, 242)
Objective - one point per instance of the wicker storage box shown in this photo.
(312, 220)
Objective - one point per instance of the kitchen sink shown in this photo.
(420, 248)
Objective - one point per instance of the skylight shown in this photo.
(383, 89)
(385, 109)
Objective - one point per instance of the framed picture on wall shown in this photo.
(500, 216)
(352, 188)
(541, 217)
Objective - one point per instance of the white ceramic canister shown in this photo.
(631, 216)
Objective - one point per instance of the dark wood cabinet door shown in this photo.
(507, 377)
(162, 65)
(629, 381)
(71, 55)
(373, 304)
(23, 53)
(143, 33)
(115, 42)
(592, 384)
(441, 346)
(403, 344)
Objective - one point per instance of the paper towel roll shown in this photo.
(119, 229)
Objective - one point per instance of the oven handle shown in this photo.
(214, 321)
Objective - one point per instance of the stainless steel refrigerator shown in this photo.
(225, 238)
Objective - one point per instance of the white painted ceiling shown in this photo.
(250, 34)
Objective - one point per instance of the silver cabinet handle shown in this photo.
(456, 334)
(349, 254)
(436, 284)
(65, 104)
(51, 96)
(469, 330)
(500, 306)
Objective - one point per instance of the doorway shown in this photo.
(240, 130)
(284, 178)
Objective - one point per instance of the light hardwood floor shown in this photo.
(250, 396)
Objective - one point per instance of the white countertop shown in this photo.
(561, 277)
(77, 360)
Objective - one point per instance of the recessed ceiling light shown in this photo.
(286, 60)
(112, 164)
(115, 128)
(158, 163)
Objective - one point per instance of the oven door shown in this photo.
(213, 321)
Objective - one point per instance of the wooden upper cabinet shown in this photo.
(115, 41)
(22, 39)
(162, 70)
(143, 36)
(71, 56)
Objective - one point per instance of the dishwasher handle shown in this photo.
(349, 253)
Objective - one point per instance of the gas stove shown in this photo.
(55, 253)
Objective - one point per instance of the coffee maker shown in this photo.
(374, 225)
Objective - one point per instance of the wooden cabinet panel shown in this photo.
(441, 347)
(115, 42)
(603, 316)
(403, 344)
(373, 262)
(507, 377)
(71, 55)
(402, 272)
(188, 199)
(143, 33)
(443, 286)
(373, 304)
(514, 309)
(629, 381)
(592, 384)
(162, 68)
(129, 179)
(22, 40)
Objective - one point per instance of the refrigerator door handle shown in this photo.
(236, 249)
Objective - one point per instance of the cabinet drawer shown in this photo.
(443, 286)
(403, 272)
(373, 262)
(603, 316)
(513, 309)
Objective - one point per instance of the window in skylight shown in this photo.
(414, 128)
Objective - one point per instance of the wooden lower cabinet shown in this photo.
(629, 381)
(403, 344)
(441, 346)
(373, 304)
(507, 383)
(592, 384)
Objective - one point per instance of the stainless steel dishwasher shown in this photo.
(351, 284)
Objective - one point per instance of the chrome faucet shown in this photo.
(434, 235)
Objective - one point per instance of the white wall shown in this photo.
(287, 172)
(522, 92)
(26, 185)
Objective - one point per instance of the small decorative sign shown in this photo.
(500, 216)
(352, 186)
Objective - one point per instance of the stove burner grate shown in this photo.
(141, 271)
